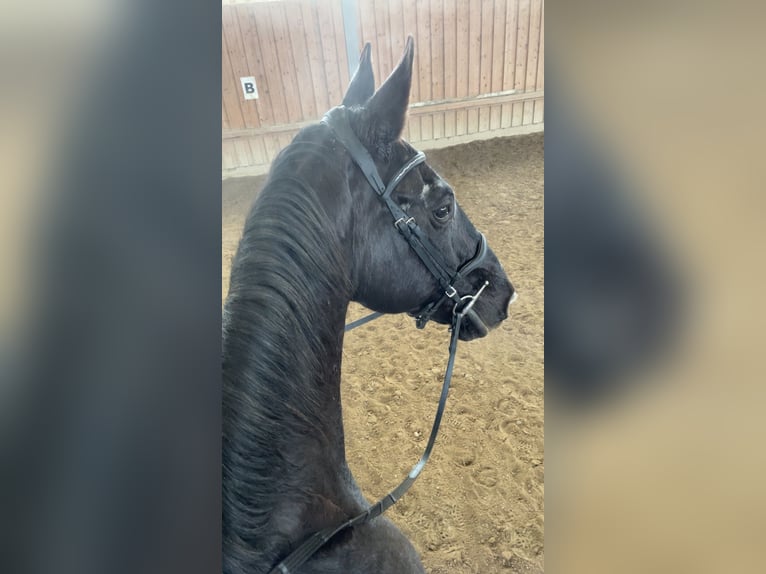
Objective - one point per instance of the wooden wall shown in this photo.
(478, 68)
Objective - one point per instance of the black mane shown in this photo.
(286, 277)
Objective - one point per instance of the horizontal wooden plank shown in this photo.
(277, 129)
(230, 169)
(416, 109)
(225, 2)
(473, 102)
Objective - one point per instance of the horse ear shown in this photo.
(387, 109)
(362, 85)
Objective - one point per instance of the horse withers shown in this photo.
(318, 236)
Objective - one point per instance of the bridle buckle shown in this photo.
(406, 221)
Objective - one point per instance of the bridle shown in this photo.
(337, 120)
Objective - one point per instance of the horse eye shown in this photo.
(442, 213)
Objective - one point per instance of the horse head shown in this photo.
(387, 273)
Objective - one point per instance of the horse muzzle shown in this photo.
(480, 319)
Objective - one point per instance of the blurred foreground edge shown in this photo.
(612, 290)
(111, 452)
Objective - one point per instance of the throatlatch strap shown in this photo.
(359, 322)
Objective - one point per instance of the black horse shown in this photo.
(317, 238)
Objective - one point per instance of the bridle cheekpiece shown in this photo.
(337, 120)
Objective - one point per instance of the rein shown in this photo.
(336, 120)
(301, 554)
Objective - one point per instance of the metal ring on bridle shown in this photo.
(471, 302)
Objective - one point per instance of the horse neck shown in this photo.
(288, 364)
(283, 442)
(284, 321)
